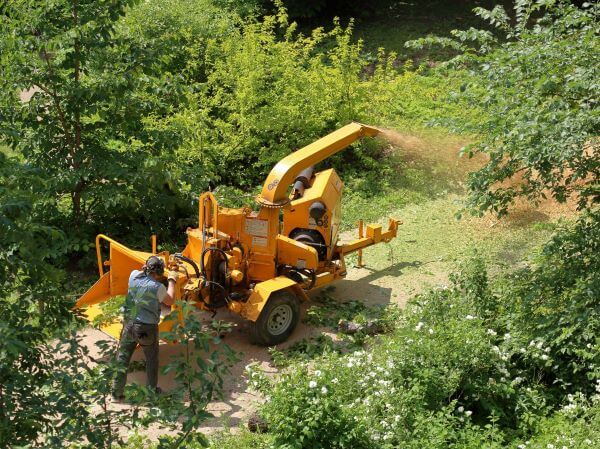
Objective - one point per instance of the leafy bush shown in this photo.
(577, 426)
(32, 308)
(478, 363)
(555, 304)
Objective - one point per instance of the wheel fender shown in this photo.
(263, 290)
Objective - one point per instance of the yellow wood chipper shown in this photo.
(258, 264)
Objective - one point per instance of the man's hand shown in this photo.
(173, 275)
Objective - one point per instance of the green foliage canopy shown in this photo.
(536, 81)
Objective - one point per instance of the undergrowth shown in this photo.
(481, 362)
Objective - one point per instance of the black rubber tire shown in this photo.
(282, 308)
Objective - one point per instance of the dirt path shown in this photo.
(238, 402)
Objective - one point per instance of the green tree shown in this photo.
(94, 86)
(52, 391)
(536, 80)
(30, 304)
(52, 48)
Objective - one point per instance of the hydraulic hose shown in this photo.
(180, 256)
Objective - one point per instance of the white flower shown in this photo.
(521, 446)
(419, 326)
(550, 446)
(460, 409)
(470, 317)
(507, 336)
(492, 332)
(318, 373)
(468, 413)
(430, 331)
(323, 390)
(544, 357)
(334, 380)
(312, 384)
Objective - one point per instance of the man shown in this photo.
(140, 321)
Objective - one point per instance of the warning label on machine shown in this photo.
(259, 241)
(257, 227)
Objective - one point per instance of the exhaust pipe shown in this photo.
(302, 182)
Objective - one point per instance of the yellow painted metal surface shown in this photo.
(274, 192)
(292, 252)
(327, 188)
(374, 236)
(261, 293)
(208, 215)
(112, 329)
(99, 292)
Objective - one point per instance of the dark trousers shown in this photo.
(146, 335)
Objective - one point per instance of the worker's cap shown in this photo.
(155, 264)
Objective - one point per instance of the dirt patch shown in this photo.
(26, 95)
(238, 402)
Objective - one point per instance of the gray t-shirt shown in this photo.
(144, 295)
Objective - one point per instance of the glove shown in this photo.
(173, 275)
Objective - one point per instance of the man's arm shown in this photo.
(169, 298)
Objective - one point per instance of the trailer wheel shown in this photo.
(277, 320)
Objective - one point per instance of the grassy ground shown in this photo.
(425, 188)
